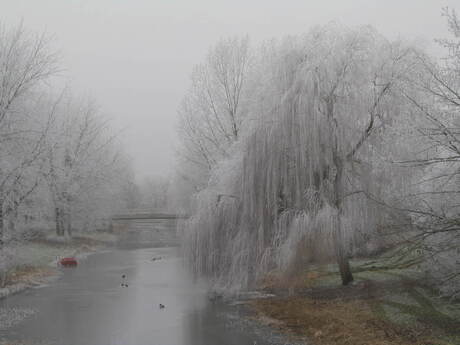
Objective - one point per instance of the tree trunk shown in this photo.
(3, 278)
(68, 224)
(11, 218)
(1, 222)
(337, 194)
(2, 269)
(341, 255)
(59, 227)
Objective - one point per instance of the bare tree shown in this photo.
(434, 202)
(155, 193)
(212, 112)
(81, 157)
(25, 62)
(57, 155)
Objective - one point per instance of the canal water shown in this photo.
(88, 306)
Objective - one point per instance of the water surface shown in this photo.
(88, 306)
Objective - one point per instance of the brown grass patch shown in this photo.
(29, 274)
(337, 322)
(277, 280)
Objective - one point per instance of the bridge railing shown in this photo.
(143, 215)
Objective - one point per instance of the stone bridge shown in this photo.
(133, 215)
(150, 228)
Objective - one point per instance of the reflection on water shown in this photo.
(88, 306)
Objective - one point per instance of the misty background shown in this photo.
(294, 161)
(135, 57)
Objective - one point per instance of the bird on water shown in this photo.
(123, 282)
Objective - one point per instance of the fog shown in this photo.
(242, 172)
(135, 57)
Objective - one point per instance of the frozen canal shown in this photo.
(88, 306)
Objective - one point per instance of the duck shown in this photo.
(123, 284)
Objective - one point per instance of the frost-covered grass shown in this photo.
(388, 304)
(44, 252)
(97, 236)
(41, 254)
(33, 261)
(351, 322)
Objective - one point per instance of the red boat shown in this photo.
(68, 262)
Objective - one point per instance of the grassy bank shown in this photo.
(388, 304)
(35, 261)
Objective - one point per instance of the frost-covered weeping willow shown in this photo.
(295, 186)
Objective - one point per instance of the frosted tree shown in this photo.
(155, 193)
(211, 114)
(296, 184)
(81, 161)
(57, 155)
(26, 61)
(433, 203)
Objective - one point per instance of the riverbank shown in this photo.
(386, 305)
(36, 260)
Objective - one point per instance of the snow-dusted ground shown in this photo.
(44, 257)
(12, 316)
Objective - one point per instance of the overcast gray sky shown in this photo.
(135, 56)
